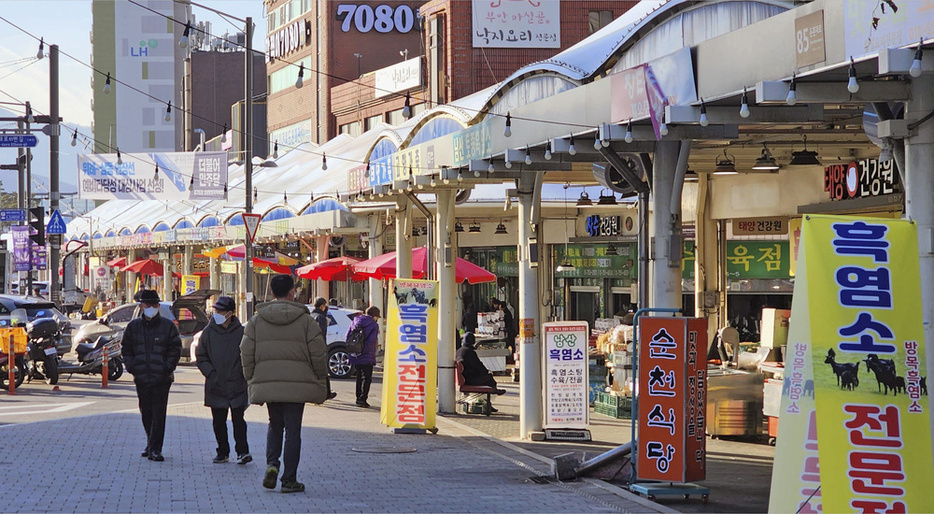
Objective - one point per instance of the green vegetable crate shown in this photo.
(611, 405)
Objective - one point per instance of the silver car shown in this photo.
(339, 319)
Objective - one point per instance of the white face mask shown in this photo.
(219, 318)
(150, 312)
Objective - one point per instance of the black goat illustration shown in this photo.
(838, 369)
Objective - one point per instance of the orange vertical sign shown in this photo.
(672, 399)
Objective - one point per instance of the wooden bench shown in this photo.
(473, 392)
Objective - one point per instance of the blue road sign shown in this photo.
(56, 223)
(18, 140)
(12, 215)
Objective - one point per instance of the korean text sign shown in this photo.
(154, 176)
(873, 427)
(672, 399)
(410, 382)
(567, 396)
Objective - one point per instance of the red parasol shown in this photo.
(384, 266)
(118, 262)
(144, 267)
(337, 268)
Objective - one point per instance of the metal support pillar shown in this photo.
(246, 133)
(322, 287)
(167, 277)
(55, 291)
(447, 298)
(705, 261)
(529, 345)
(919, 196)
(403, 239)
(375, 248)
(666, 263)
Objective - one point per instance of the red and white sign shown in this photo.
(672, 399)
(251, 222)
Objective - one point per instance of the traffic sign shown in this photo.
(12, 215)
(56, 223)
(251, 222)
(18, 140)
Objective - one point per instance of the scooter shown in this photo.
(42, 350)
(91, 358)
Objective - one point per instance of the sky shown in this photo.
(67, 23)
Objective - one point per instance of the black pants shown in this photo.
(364, 380)
(239, 430)
(153, 402)
(285, 417)
(482, 380)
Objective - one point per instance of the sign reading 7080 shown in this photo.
(383, 19)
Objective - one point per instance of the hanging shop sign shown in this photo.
(229, 267)
(516, 24)
(669, 79)
(857, 301)
(190, 283)
(411, 357)
(398, 77)
(860, 179)
(287, 40)
(597, 260)
(567, 397)
(759, 226)
(746, 260)
(598, 225)
(809, 39)
(179, 176)
(672, 399)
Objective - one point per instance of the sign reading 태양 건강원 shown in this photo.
(516, 23)
(567, 397)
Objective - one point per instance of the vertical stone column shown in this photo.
(375, 249)
(666, 269)
(529, 346)
(446, 255)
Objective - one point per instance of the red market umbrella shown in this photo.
(144, 267)
(119, 262)
(338, 268)
(384, 266)
(261, 263)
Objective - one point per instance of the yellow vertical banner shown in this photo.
(795, 472)
(410, 367)
(873, 426)
(190, 283)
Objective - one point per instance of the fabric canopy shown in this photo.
(384, 266)
(118, 262)
(338, 268)
(144, 267)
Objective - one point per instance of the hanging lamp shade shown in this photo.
(765, 162)
(726, 165)
(804, 157)
(474, 229)
(584, 200)
(565, 266)
(608, 199)
(500, 229)
(458, 227)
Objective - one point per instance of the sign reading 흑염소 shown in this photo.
(516, 24)
(180, 176)
(567, 400)
(862, 281)
(672, 399)
(411, 358)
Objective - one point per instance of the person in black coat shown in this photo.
(151, 349)
(218, 357)
(320, 314)
(475, 373)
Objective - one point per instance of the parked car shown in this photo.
(36, 308)
(187, 312)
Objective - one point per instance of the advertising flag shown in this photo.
(410, 379)
(20, 247)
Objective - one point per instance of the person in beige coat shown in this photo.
(285, 364)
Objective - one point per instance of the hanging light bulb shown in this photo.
(548, 151)
(528, 156)
(191, 182)
(444, 175)
(299, 82)
(433, 183)
(255, 194)
(119, 158)
(628, 137)
(703, 114)
(168, 111)
(285, 197)
(508, 163)
(663, 128)
(407, 109)
(792, 98)
(155, 175)
(460, 176)
(225, 190)
(490, 168)
(508, 130)
(107, 84)
(476, 173)
(224, 134)
(366, 172)
(852, 85)
(275, 150)
(29, 117)
(41, 53)
(324, 161)
(571, 149)
(596, 141)
(744, 108)
(915, 69)
(74, 138)
(183, 42)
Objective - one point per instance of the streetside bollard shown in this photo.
(11, 365)
(104, 371)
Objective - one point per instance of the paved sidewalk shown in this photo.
(350, 463)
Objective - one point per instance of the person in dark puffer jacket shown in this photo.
(365, 361)
(151, 349)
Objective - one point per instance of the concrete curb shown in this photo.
(610, 488)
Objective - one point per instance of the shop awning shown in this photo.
(384, 266)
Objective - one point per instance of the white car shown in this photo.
(339, 320)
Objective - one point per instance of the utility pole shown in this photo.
(246, 132)
(27, 188)
(55, 241)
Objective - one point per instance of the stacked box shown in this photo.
(611, 405)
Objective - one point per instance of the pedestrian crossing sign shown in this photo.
(56, 223)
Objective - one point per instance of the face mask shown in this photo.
(150, 312)
(219, 318)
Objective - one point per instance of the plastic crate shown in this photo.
(19, 339)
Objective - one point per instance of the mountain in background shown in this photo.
(67, 160)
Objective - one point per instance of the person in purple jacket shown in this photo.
(365, 360)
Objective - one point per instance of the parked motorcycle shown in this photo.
(91, 358)
(19, 371)
(41, 350)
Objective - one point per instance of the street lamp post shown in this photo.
(247, 135)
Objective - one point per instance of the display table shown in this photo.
(492, 353)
